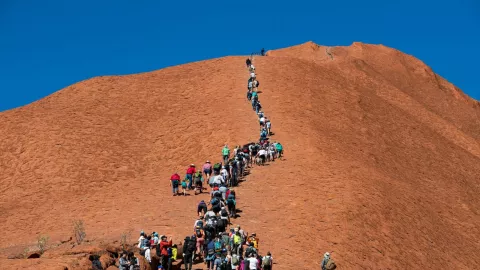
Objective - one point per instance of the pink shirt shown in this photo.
(207, 166)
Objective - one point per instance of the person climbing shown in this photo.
(188, 253)
(174, 182)
(268, 125)
(248, 62)
(217, 167)
(279, 148)
(254, 95)
(164, 245)
(263, 134)
(225, 153)
(327, 262)
(249, 95)
(199, 223)
(254, 240)
(253, 77)
(267, 262)
(262, 154)
(250, 250)
(200, 236)
(207, 169)
(210, 254)
(184, 186)
(198, 180)
(224, 174)
(202, 208)
(190, 171)
(258, 106)
(252, 261)
(231, 205)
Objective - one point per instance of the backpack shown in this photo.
(330, 265)
(218, 246)
(169, 252)
(235, 260)
(267, 260)
(217, 166)
(198, 232)
(224, 213)
(230, 202)
(214, 201)
(200, 223)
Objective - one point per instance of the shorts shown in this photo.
(202, 208)
(207, 171)
(175, 190)
(200, 242)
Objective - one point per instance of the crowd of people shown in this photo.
(215, 241)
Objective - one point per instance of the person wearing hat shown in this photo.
(164, 245)
(207, 169)
(190, 171)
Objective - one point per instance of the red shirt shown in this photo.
(163, 247)
(191, 170)
(175, 177)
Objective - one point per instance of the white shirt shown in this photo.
(252, 67)
(218, 179)
(149, 258)
(262, 119)
(252, 74)
(262, 152)
(224, 173)
(253, 263)
(250, 84)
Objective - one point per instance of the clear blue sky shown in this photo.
(48, 45)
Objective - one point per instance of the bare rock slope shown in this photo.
(382, 164)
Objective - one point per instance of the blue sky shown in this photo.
(48, 45)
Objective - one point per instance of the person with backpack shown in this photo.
(199, 223)
(198, 180)
(231, 205)
(268, 124)
(327, 262)
(174, 182)
(210, 257)
(200, 236)
(251, 250)
(217, 167)
(225, 153)
(267, 261)
(188, 253)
